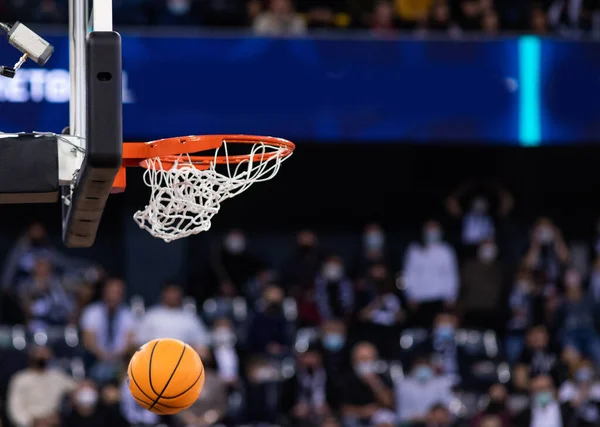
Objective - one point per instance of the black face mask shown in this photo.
(38, 243)
(495, 407)
(40, 363)
(273, 308)
(306, 249)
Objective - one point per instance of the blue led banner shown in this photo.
(332, 90)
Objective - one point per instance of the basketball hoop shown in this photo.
(190, 176)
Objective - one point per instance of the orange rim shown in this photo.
(169, 150)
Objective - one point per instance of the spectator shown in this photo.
(280, 19)
(21, 260)
(577, 318)
(108, 331)
(366, 392)
(373, 251)
(383, 315)
(430, 275)
(45, 302)
(419, 392)
(322, 13)
(445, 353)
(547, 252)
(226, 355)
(37, 391)
(211, 407)
(383, 19)
(170, 320)
(582, 392)
(438, 416)
(439, 18)
(336, 358)
(87, 409)
(539, 21)
(490, 22)
(334, 292)
(544, 410)
(482, 290)
(267, 334)
(522, 301)
(233, 266)
(487, 204)
(538, 358)
(308, 388)
(264, 379)
(491, 421)
(496, 407)
(470, 16)
(413, 13)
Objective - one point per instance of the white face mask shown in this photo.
(374, 240)
(487, 253)
(86, 397)
(433, 235)
(365, 368)
(235, 244)
(333, 271)
(545, 234)
(480, 206)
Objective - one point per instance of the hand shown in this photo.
(274, 348)
(300, 410)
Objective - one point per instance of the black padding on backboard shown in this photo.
(28, 169)
(104, 140)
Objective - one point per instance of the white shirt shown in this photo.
(549, 416)
(431, 273)
(176, 323)
(94, 319)
(33, 394)
(414, 399)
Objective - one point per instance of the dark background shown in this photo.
(336, 190)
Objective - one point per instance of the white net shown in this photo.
(184, 199)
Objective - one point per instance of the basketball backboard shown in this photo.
(189, 176)
(81, 164)
(95, 116)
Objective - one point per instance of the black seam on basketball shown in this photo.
(150, 370)
(139, 388)
(158, 404)
(158, 396)
(147, 404)
(187, 389)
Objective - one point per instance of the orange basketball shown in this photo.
(165, 376)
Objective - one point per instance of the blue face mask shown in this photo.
(333, 342)
(543, 398)
(445, 332)
(584, 375)
(423, 373)
(433, 235)
(374, 240)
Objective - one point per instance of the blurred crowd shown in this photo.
(295, 17)
(448, 333)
